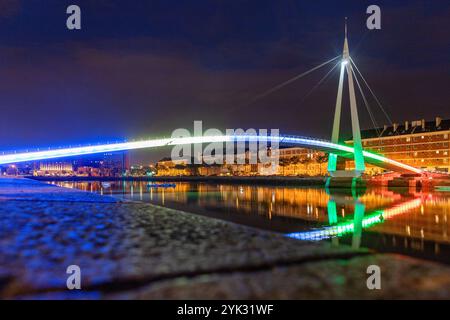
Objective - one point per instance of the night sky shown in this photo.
(140, 69)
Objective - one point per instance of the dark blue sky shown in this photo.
(143, 68)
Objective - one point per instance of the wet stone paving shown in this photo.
(132, 250)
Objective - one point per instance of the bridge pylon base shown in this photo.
(349, 183)
(346, 173)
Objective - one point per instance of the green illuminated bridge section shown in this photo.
(348, 227)
(310, 143)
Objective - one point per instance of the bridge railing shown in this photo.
(37, 149)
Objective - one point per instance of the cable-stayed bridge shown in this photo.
(333, 147)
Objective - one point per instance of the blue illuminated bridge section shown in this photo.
(310, 143)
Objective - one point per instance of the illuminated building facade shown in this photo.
(419, 143)
(101, 165)
(169, 167)
(292, 162)
(54, 168)
(302, 162)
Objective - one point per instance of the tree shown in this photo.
(283, 162)
(295, 161)
(306, 161)
(321, 159)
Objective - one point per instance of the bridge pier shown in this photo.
(345, 182)
(411, 181)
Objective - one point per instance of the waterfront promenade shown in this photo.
(136, 250)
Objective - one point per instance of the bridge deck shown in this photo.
(310, 143)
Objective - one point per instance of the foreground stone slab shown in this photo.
(134, 250)
(123, 245)
(402, 278)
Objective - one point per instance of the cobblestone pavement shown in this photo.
(135, 250)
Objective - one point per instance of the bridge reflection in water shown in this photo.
(401, 220)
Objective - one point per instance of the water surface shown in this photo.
(400, 221)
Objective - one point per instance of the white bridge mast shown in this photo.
(358, 155)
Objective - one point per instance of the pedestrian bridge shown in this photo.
(335, 149)
(283, 140)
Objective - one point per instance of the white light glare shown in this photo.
(114, 147)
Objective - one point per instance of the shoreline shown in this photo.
(295, 181)
(261, 180)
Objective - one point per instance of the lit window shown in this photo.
(422, 137)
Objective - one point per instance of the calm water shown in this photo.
(402, 221)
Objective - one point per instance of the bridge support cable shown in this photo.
(371, 91)
(324, 78)
(282, 85)
(366, 103)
